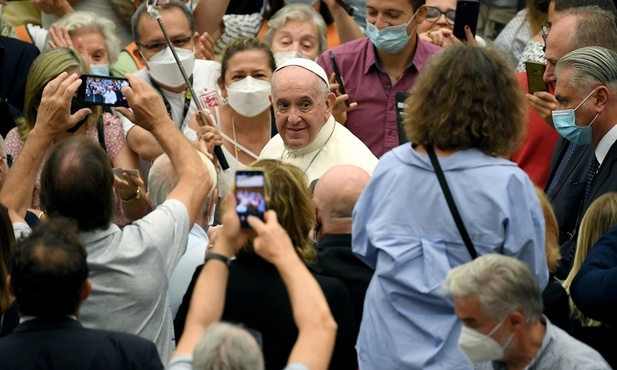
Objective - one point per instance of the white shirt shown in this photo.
(332, 146)
(605, 144)
(205, 75)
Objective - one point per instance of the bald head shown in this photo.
(338, 190)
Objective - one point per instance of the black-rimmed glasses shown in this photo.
(433, 14)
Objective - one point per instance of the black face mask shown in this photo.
(76, 105)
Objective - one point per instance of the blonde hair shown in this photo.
(551, 234)
(45, 68)
(290, 197)
(598, 219)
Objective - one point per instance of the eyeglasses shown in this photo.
(158, 46)
(9, 160)
(545, 29)
(433, 14)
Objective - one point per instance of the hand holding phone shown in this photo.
(467, 12)
(102, 90)
(337, 75)
(535, 77)
(250, 195)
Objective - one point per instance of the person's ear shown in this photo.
(137, 54)
(602, 96)
(9, 286)
(86, 289)
(221, 84)
(516, 320)
(331, 98)
(421, 14)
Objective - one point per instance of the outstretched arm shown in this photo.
(316, 326)
(150, 114)
(53, 117)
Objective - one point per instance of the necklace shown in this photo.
(236, 144)
(319, 151)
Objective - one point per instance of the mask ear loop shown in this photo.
(584, 100)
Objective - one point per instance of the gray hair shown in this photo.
(227, 346)
(143, 8)
(300, 13)
(590, 66)
(162, 180)
(503, 285)
(594, 27)
(80, 21)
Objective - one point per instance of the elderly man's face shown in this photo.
(301, 37)
(301, 109)
(471, 314)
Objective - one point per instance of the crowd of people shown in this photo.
(338, 188)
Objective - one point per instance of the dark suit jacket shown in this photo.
(66, 345)
(16, 57)
(605, 180)
(567, 197)
(594, 288)
(335, 259)
(257, 298)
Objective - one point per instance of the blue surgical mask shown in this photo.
(390, 39)
(99, 69)
(565, 124)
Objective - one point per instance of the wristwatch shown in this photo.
(135, 197)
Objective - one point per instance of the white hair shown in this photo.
(503, 285)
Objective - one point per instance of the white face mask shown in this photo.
(99, 69)
(281, 57)
(163, 67)
(478, 347)
(249, 96)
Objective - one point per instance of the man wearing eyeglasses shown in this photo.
(162, 72)
(377, 68)
(572, 27)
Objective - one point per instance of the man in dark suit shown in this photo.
(587, 107)
(49, 279)
(335, 196)
(572, 28)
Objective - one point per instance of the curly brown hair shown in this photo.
(467, 97)
(290, 198)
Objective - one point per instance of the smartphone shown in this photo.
(102, 90)
(337, 75)
(250, 195)
(535, 77)
(345, 5)
(118, 172)
(467, 12)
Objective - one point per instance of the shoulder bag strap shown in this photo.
(453, 209)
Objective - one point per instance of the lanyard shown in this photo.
(187, 100)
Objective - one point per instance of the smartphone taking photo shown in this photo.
(102, 90)
(467, 12)
(250, 195)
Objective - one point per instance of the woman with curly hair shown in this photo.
(256, 296)
(467, 107)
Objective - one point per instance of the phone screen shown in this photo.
(250, 195)
(103, 90)
(467, 12)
